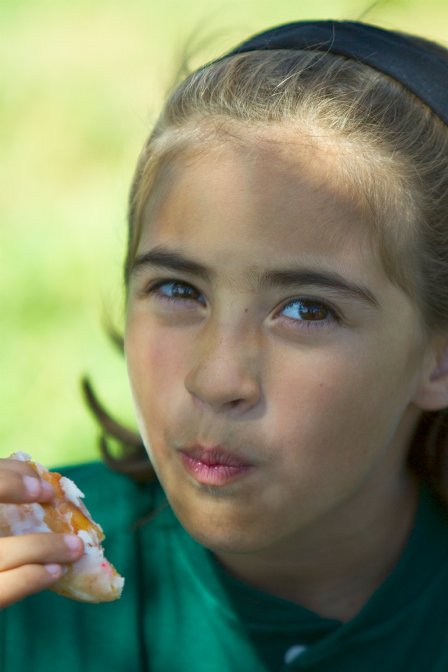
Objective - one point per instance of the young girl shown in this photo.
(287, 345)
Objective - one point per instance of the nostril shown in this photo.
(224, 374)
(221, 396)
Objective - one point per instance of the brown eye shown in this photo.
(306, 310)
(175, 290)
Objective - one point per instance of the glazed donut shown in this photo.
(91, 578)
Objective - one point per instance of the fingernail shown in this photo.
(32, 485)
(47, 488)
(54, 570)
(72, 542)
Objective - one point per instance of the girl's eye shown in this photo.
(312, 312)
(175, 290)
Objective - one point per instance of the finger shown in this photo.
(20, 582)
(44, 548)
(44, 493)
(19, 487)
(10, 462)
(18, 466)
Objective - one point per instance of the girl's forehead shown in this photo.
(264, 195)
(272, 160)
(284, 189)
(238, 209)
(272, 177)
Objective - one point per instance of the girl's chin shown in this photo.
(223, 527)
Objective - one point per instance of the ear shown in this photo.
(432, 392)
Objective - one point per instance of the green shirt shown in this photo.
(181, 611)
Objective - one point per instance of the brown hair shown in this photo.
(397, 152)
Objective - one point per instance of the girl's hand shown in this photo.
(30, 563)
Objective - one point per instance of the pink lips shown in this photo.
(213, 466)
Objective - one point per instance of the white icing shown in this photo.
(73, 494)
(22, 457)
(118, 582)
(71, 491)
(92, 574)
(91, 542)
(24, 518)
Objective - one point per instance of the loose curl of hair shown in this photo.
(394, 154)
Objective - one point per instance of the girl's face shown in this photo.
(272, 362)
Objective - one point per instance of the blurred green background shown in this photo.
(80, 85)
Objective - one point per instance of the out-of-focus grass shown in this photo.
(80, 86)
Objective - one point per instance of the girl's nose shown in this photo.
(225, 375)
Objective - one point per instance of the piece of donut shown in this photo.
(91, 578)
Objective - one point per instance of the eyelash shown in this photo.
(155, 290)
(308, 303)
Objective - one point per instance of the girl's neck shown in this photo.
(335, 571)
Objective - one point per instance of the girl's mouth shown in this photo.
(213, 466)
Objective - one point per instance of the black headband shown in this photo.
(417, 67)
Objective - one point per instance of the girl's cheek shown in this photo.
(155, 359)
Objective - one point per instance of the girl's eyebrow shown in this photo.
(327, 279)
(161, 257)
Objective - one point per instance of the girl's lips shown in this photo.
(213, 466)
